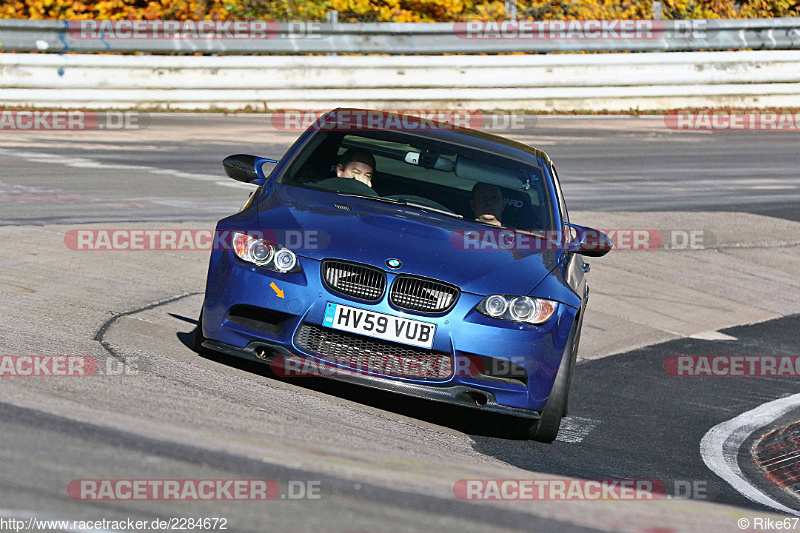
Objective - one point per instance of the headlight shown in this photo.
(495, 306)
(523, 309)
(285, 260)
(518, 308)
(264, 253)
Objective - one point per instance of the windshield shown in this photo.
(417, 173)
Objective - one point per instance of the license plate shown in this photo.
(379, 325)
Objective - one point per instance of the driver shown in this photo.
(487, 204)
(357, 164)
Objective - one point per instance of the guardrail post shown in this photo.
(332, 17)
(658, 10)
(511, 9)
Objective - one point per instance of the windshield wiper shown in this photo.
(376, 198)
(405, 203)
(432, 209)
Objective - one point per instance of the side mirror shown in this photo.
(589, 242)
(246, 168)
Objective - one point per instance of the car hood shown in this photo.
(322, 225)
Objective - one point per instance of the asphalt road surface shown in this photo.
(606, 164)
(157, 410)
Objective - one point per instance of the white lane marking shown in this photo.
(189, 204)
(712, 336)
(771, 187)
(82, 162)
(574, 429)
(236, 184)
(720, 447)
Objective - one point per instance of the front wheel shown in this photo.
(198, 338)
(546, 428)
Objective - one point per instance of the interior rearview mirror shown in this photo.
(416, 158)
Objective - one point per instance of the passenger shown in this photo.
(487, 204)
(357, 164)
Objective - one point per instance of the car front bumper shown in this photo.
(462, 333)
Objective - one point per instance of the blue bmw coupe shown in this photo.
(410, 256)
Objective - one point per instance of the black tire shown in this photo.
(572, 365)
(546, 428)
(198, 338)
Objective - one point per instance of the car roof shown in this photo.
(450, 133)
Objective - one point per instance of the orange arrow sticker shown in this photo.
(278, 292)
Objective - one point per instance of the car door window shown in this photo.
(562, 206)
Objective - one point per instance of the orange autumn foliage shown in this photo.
(389, 10)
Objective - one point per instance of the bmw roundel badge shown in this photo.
(393, 263)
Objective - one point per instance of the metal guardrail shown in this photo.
(555, 82)
(411, 38)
